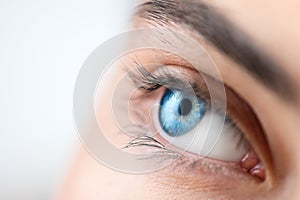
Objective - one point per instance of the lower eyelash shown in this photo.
(161, 154)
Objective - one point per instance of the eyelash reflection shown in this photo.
(149, 141)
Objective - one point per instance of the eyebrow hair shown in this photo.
(220, 32)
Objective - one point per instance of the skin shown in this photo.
(275, 29)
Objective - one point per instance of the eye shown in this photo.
(184, 117)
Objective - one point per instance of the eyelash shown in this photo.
(149, 82)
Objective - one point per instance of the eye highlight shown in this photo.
(180, 112)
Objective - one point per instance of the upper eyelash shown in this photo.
(149, 81)
(143, 79)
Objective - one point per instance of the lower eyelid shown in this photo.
(200, 176)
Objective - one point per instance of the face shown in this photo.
(254, 48)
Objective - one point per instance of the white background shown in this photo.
(42, 47)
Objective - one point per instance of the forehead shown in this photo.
(269, 27)
(273, 25)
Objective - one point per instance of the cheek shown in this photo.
(184, 180)
(90, 180)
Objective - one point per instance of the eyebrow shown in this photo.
(224, 35)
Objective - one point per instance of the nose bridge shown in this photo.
(291, 181)
(294, 184)
(286, 156)
(286, 189)
(293, 188)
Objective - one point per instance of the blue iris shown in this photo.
(180, 112)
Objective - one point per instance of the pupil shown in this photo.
(185, 107)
